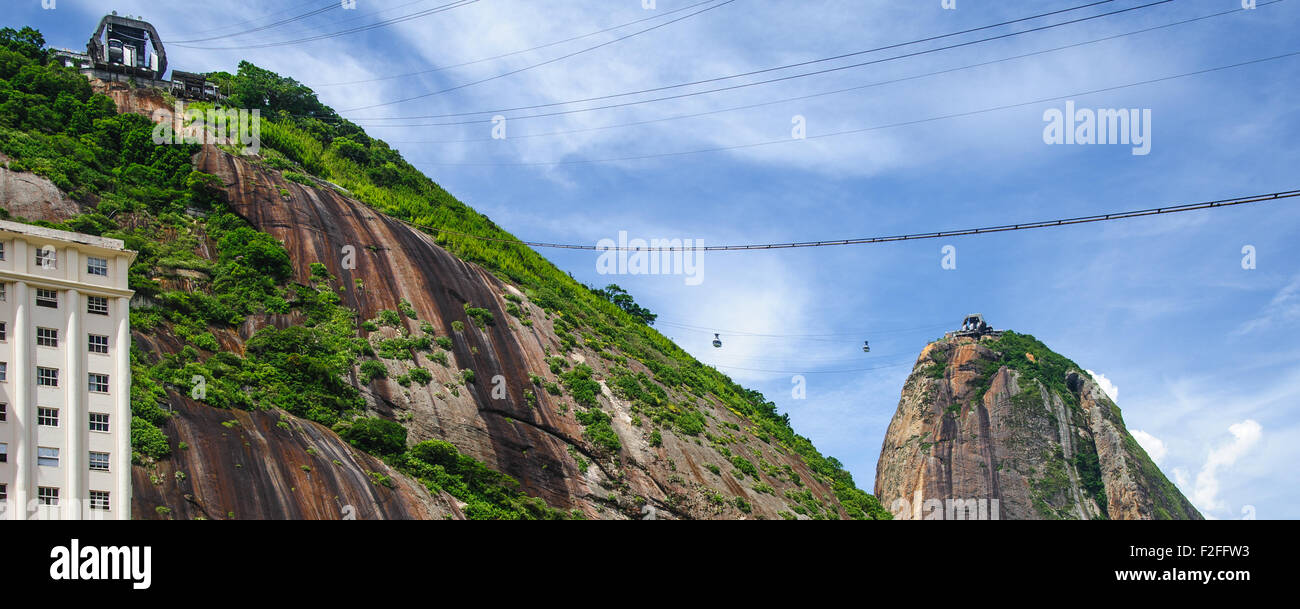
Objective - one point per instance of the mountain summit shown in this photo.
(996, 425)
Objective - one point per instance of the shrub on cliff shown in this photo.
(377, 436)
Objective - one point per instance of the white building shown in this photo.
(65, 375)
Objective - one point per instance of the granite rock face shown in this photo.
(542, 445)
(250, 465)
(30, 196)
(974, 437)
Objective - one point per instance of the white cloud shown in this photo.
(1206, 492)
(1111, 390)
(1154, 446)
(1182, 478)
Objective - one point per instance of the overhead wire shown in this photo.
(808, 371)
(549, 61)
(771, 102)
(253, 20)
(518, 52)
(312, 13)
(1168, 209)
(363, 28)
(689, 328)
(791, 65)
(865, 129)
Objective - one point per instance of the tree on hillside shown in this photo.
(624, 301)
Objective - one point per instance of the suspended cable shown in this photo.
(520, 51)
(549, 61)
(788, 66)
(324, 9)
(864, 129)
(809, 371)
(248, 21)
(363, 28)
(746, 333)
(1168, 209)
(858, 358)
(772, 102)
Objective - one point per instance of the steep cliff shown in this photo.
(998, 426)
(300, 352)
(723, 469)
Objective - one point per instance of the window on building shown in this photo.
(99, 421)
(97, 266)
(47, 337)
(47, 298)
(99, 461)
(98, 383)
(47, 258)
(47, 377)
(4, 493)
(47, 417)
(47, 457)
(97, 344)
(99, 500)
(4, 412)
(4, 371)
(97, 305)
(47, 495)
(4, 292)
(4, 331)
(4, 453)
(2, 250)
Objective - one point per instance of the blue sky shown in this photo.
(1194, 345)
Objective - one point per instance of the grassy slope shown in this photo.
(52, 125)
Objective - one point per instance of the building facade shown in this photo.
(65, 375)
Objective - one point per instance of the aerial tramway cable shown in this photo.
(521, 51)
(781, 67)
(1168, 209)
(362, 28)
(759, 104)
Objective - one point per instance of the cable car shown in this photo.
(866, 346)
(717, 342)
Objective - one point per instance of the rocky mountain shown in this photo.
(998, 426)
(323, 332)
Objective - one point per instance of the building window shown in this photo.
(47, 298)
(47, 337)
(47, 495)
(4, 493)
(97, 305)
(4, 331)
(47, 258)
(47, 417)
(99, 500)
(99, 422)
(4, 292)
(4, 371)
(4, 412)
(97, 344)
(98, 383)
(2, 250)
(47, 457)
(99, 462)
(97, 266)
(47, 377)
(4, 453)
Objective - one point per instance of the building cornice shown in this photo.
(64, 284)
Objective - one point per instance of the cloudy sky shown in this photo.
(918, 139)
